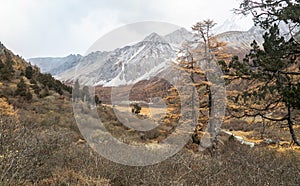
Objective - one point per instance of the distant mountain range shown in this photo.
(139, 61)
(56, 65)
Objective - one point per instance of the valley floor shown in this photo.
(49, 150)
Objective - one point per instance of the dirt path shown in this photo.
(239, 138)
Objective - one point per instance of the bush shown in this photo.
(136, 108)
(29, 72)
(21, 88)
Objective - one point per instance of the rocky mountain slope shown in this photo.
(140, 61)
(128, 64)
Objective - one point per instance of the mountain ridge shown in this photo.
(122, 66)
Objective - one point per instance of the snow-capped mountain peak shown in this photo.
(123, 66)
(179, 36)
(234, 23)
(154, 37)
(143, 59)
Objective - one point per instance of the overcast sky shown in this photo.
(33, 28)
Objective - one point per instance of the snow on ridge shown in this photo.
(141, 60)
(123, 65)
(234, 23)
(178, 36)
(154, 37)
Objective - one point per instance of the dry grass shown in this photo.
(46, 151)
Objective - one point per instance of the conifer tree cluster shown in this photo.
(83, 94)
(30, 80)
(6, 69)
(269, 77)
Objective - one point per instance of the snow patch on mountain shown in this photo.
(154, 37)
(125, 65)
(234, 23)
(179, 36)
(241, 40)
(140, 60)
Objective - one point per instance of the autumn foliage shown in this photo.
(7, 110)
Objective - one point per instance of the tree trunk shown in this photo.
(193, 95)
(290, 124)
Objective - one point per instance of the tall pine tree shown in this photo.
(269, 77)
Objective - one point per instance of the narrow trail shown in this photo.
(239, 138)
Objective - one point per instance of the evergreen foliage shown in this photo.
(21, 88)
(76, 90)
(270, 76)
(136, 108)
(29, 72)
(6, 69)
